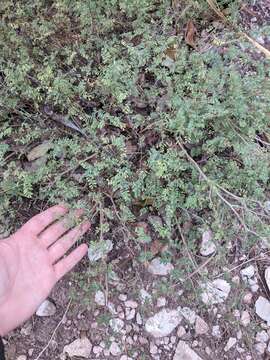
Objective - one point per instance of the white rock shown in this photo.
(143, 341)
(125, 357)
(80, 347)
(208, 247)
(99, 249)
(239, 349)
(267, 205)
(262, 307)
(145, 296)
(26, 329)
(21, 357)
(231, 342)
(216, 331)
(245, 318)
(188, 314)
(215, 292)
(239, 335)
(139, 319)
(111, 308)
(184, 352)
(130, 314)
(47, 308)
(254, 288)
(97, 350)
(267, 277)
(247, 299)
(100, 298)
(247, 272)
(181, 332)
(161, 302)
(153, 349)
(115, 349)
(116, 325)
(122, 297)
(131, 304)
(260, 348)
(157, 267)
(201, 327)
(163, 323)
(262, 336)
(236, 279)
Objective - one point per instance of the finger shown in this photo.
(60, 247)
(66, 264)
(39, 222)
(56, 230)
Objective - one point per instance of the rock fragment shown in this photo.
(267, 277)
(163, 323)
(80, 348)
(262, 336)
(208, 247)
(230, 343)
(115, 349)
(184, 352)
(47, 308)
(157, 267)
(245, 318)
(116, 325)
(100, 298)
(188, 314)
(215, 292)
(99, 249)
(248, 272)
(262, 307)
(201, 327)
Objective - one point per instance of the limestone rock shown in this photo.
(157, 267)
(215, 292)
(184, 352)
(188, 314)
(97, 250)
(100, 298)
(262, 336)
(230, 343)
(262, 307)
(47, 308)
(80, 347)
(208, 247)
(245, 318)
(116, 325)
(267, 277)
(201, 327)
(115, 349)
(163, 323)
(145, 296)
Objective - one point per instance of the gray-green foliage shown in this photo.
(102, 65)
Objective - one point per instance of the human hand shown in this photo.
(31, 263)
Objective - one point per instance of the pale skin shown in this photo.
(33, 259)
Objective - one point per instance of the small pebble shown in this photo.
(260, 348)
(231, 342)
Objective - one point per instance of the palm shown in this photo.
(31, 264)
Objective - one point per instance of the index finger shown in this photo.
(39, 222)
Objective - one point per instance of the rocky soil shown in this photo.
(149, 321)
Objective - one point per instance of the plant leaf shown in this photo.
(190, 34)
(39, 151)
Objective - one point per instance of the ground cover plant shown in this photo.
(122, 108)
